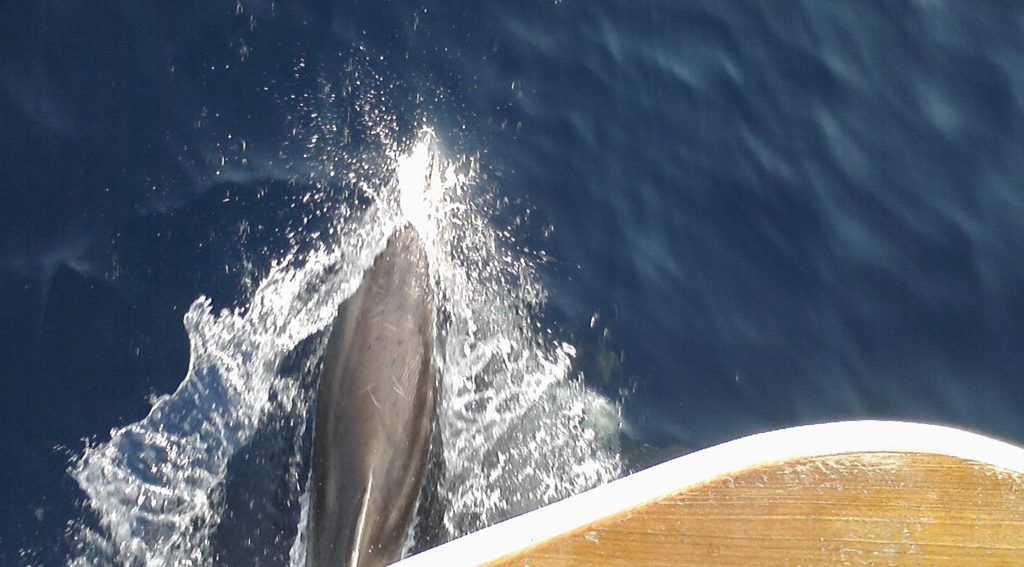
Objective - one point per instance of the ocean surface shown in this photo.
(653, 226)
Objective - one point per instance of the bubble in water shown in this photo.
(517, 430)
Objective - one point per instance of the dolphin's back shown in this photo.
(374, 412)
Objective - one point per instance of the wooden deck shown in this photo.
(853, 493)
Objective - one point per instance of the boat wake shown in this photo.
(216, 472)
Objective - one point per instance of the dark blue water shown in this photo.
(756, 214)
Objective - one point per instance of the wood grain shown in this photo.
(844, 493)
(868, 508)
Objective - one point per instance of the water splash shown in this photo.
(152, 484)
(516, 430)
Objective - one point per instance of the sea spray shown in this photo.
(517, 427)
(518, 430)
(152, 485)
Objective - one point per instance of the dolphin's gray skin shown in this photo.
(374, 412)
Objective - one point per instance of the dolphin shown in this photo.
(374, 412)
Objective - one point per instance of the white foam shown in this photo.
(517, 431)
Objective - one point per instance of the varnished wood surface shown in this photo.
(855, 509)
(852, 493)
